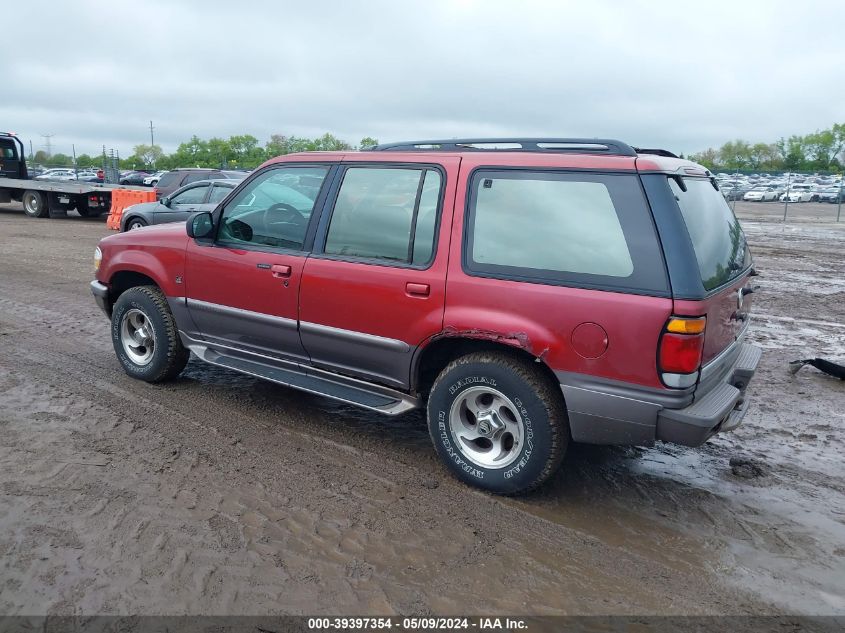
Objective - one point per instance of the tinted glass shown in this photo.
(195, 176)
(170, 179)
(582, 229)
(218, 192)
(194, 195)
(549, 225)
(717, 237)
(427, 218)
(274, 209)
(374, 215)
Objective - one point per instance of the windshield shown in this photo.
(717, 237)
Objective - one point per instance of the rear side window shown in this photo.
(194, 176)
(170, 179)
(218, 192)
(194, 195)
(386, 214)
(716, 235)
(580, 229)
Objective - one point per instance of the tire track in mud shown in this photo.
(216, 499)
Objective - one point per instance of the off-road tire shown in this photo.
(540, 404)
(169, 356)
(35, 204)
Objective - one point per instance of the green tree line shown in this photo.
(236, 152)
(820, 151)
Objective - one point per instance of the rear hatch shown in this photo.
(724, 262)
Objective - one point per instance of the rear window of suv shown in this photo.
(582, 229)
(717, 237)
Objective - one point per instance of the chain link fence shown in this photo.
(816, 196)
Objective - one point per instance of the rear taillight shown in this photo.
(681, 347)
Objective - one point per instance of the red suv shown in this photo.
(529, 292)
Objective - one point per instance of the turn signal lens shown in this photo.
(98, 257)
(686, 326)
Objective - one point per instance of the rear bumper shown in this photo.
(609, 412)
(720, 409)
(101, 296)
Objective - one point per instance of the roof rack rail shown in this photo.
(552, 145)
(656, 152)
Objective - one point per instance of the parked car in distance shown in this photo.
(61, 174)
(735, 193)
(832, 195)
(761, 195)
(133, 178)
(172, 180)
(153, 179)
(203, 195)
(799, 193)
(560, 290)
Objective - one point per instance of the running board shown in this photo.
(343, 388)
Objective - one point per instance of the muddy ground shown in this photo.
(220, 493)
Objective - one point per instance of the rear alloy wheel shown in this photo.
(34, 204)
(135, 223)
(498, 422)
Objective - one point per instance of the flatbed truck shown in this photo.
(44, 198)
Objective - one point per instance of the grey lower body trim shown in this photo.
(608, 412)
(366, 356)
(354, 337)
(267, 319)
(303, 377)
(101, 296)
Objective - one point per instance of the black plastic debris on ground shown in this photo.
(832, 369)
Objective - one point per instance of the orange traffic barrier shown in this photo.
(122, 198)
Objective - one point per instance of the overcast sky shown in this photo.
(679, 75)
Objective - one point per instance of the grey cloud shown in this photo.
(679, 75)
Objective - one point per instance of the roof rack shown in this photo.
(551, 145)
(656, 152)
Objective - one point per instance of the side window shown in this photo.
(169, 179)
(274, 209)
(592, 230)
(194, 195)
(195, 176)
(385, 213)
(218, 192)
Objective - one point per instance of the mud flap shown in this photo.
(54, 207)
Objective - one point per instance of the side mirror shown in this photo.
(165, 201)
(199, 225)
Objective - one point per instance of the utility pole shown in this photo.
(31, 155)
(152, 143)
(48, 145)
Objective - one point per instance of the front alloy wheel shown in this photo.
(137, 336)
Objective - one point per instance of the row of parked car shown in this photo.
(786, 187)
(173, 179)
